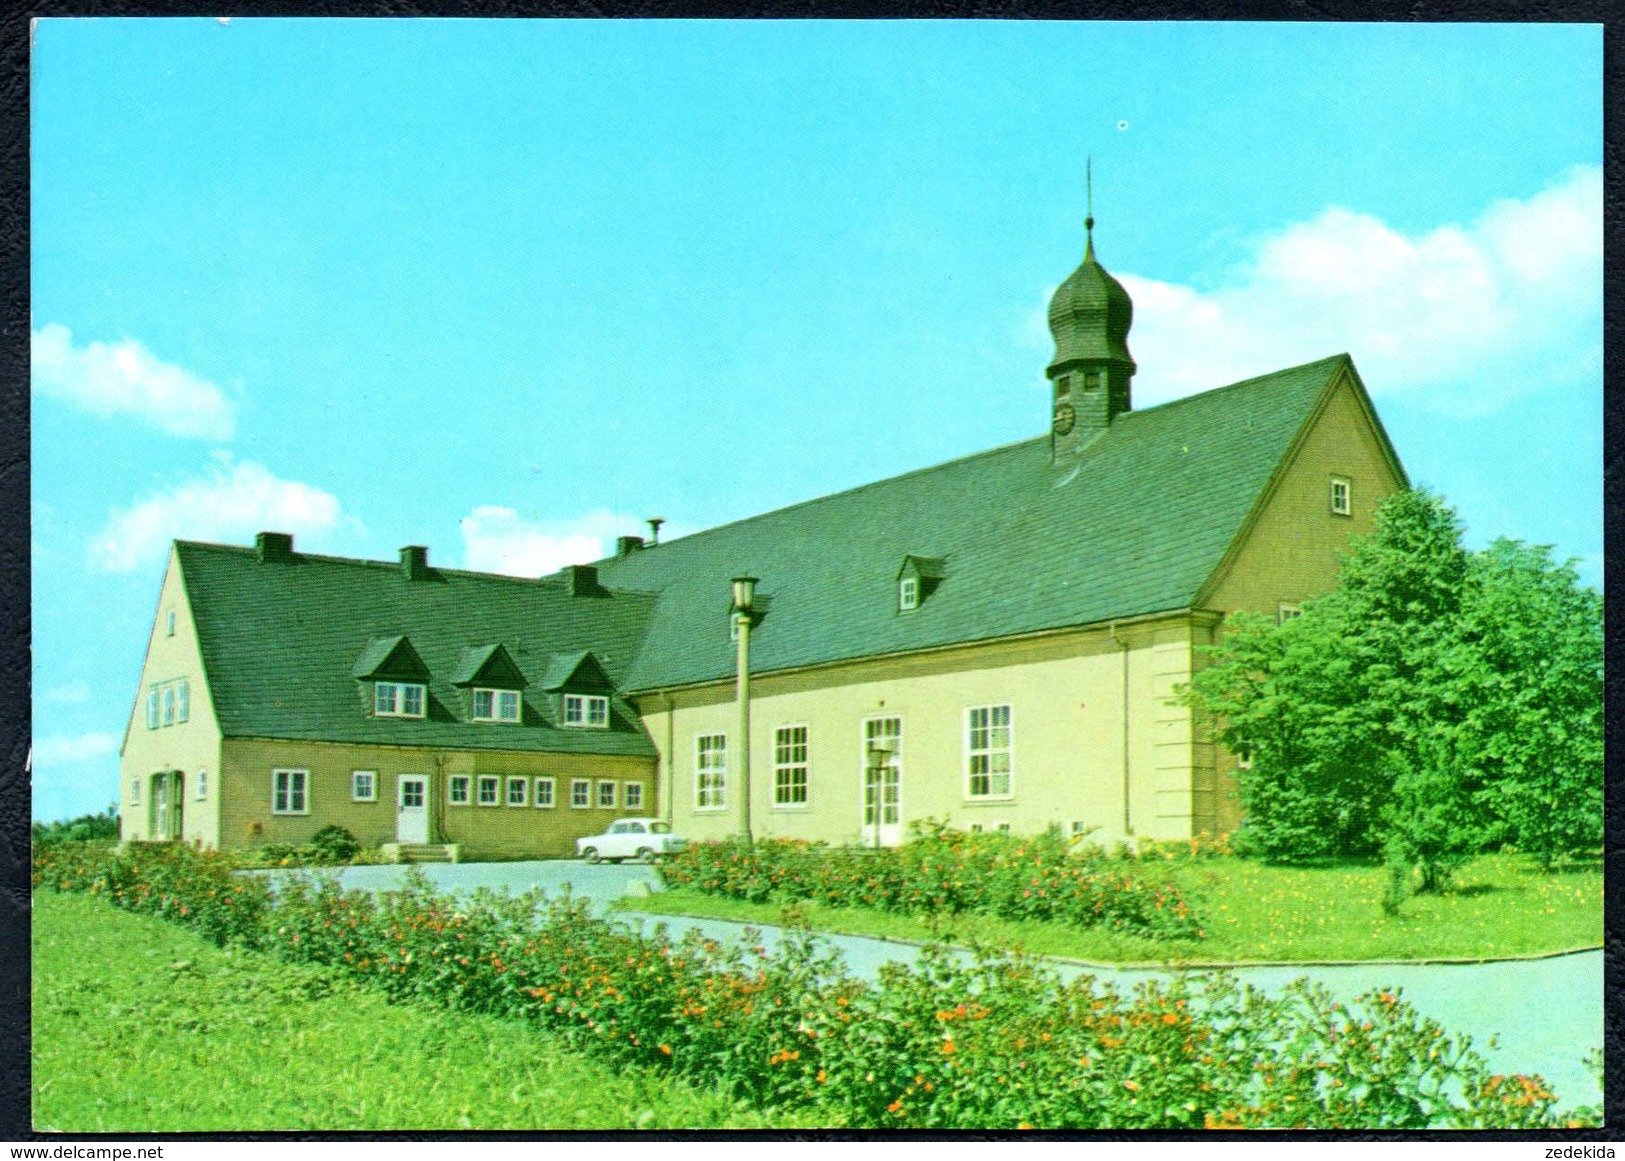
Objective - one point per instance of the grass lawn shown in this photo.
(1252, 913)
(141, 1026)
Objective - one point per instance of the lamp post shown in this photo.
(880, 756)
(744, 595)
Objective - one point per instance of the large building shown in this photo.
(996, 643)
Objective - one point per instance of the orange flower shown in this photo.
(1132, 1086)
(895, 1107)
(1170, 1018)
(948, 1048)
(665, 1049)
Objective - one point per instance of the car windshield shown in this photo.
(660, 828)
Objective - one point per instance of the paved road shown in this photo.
(1546, 1014)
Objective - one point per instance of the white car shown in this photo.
(644, 839)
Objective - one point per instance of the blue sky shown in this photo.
(506, 288)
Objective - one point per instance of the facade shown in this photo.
(994, 643)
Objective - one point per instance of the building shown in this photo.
(994, 642)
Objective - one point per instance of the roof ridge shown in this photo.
(1256, 379)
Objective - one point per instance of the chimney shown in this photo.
(581, 580)
(654, 523)
(627, 545)
(415, 562)
(274, 547)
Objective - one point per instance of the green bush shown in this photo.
(941, 870)
(85, 828)
(334, 844)
(995, 1041)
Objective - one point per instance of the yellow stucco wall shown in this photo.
(1067, 739)
(187, 747)
(484, 832)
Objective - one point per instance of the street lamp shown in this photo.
(881, 751)
(744, 596)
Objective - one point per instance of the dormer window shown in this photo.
(918, 579)
(908, 593)
(397, 699)
(495, 705)
(586, 711)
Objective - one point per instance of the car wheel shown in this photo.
(645, 855)
(589, 855)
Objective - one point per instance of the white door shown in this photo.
(883, 785)
(160, 806)
(412, 809)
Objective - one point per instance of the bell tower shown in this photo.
(1089, 318)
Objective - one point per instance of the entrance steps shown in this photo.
(420, 852)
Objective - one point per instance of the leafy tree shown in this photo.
(1434, 702)
(84, 828)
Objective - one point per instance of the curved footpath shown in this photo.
(1546, 1012)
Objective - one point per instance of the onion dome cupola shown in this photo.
(1089, 317)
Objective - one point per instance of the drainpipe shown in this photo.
(1128, 824)
(432, 793)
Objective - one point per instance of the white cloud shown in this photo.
(230, 503)
(67, 749)
(499, 540)
(1460, 317)
(73, 693)
(126, 378)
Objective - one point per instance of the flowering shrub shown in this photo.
(993, 1041)
(941, 870)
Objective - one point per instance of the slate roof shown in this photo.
(281, 641)
(1155, 503)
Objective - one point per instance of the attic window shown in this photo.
(586, 711)
(1342, 497)
(1093, 379)
(395, 699)
(908, 593)
(495, 705)
(169, 619)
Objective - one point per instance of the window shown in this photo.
(135, 791)
(183, 701)
(586, 711)
(1244, 760)
(987, 751)
(632, 796)
(392, 699)
(457, 790)
(790, 766)
(1079, 829)
(908, 593)
(1004, 828)
(580, 793)
(710, 771)
(495, 705)
(488, 790)
(169, 622)
(1093, 380)
(606, 796)
(1342, 497)
(364, 785)
(543, 797)
(518, 791)
(169, 705)
(152, 708)
(1063, 385)
(202, 785)
(1285, 612)
(288, 792)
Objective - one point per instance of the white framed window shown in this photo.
(394, 699)
(987, 751)
(487, 790)
(1079, 829)
(710, 771)
(580, 793)
(976, 828)
(519, 792)
(169, 622)
(790, 766)
(632, 796)
(908, 593)
(1003, 828)
(1244, 760)
(606, 795)
(152, 708)
(202, 785)
(542, 797)
(364, 785)
(1342, 496)
(457, 790)
(290, 791)
(1285, 612)
(135, 792)
(169, 705)
(495, 705)
(183, 700)
(586, 711)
